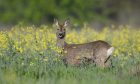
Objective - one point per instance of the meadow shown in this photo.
(29, 55)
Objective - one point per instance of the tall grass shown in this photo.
(29, 56)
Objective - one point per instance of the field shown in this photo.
(28, 55)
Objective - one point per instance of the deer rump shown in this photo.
(97, 52)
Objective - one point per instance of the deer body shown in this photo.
(74, 54)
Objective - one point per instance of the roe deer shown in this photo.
(98, 51)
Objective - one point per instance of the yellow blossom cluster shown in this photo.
(125, 40)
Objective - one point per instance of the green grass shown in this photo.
(31, 67)
(17, 68)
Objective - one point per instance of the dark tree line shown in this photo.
(42, 11)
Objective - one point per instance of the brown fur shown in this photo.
(94, 50)
(74, 54)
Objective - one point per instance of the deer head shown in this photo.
(61, 28)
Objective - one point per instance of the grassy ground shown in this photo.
(28, 55)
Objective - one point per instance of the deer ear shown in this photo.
(66, 23)
(56, 22)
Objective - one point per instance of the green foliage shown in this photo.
(42, 11)
(34, 64)
(25, 68)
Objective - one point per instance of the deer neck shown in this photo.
(61, 43)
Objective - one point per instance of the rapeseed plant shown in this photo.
(125, 40)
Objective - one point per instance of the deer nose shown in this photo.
(61, 33)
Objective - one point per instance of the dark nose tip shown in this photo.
(60, 34)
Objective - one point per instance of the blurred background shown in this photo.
(97, 13)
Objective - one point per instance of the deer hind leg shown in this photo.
(99, 63)
(102, 57)
(99, 60)
(108, 62)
